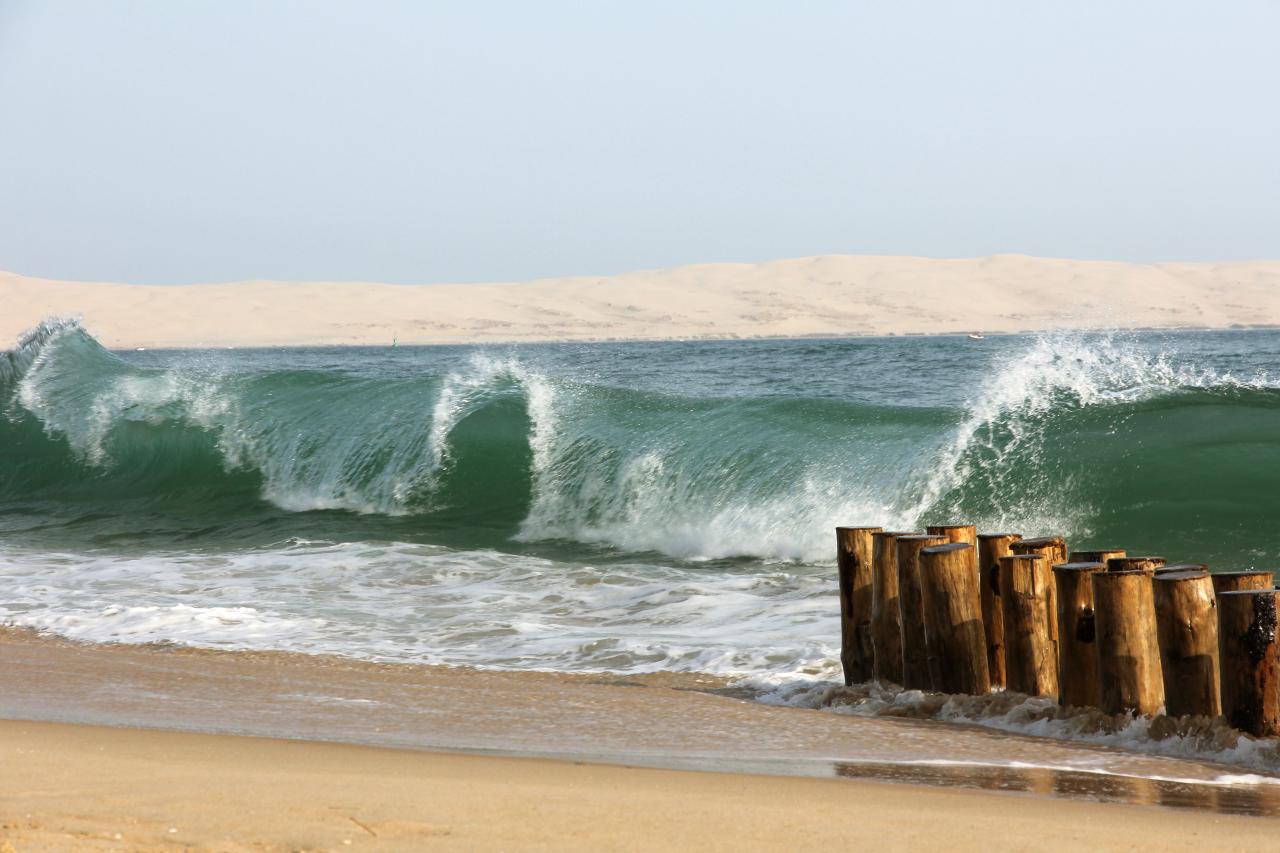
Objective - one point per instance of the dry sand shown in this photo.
(821, 296)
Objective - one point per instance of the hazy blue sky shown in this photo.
(197, 141)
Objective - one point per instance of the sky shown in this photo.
(183, 141)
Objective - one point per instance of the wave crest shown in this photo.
(1058, 437)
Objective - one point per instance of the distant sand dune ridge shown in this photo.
(828, 295)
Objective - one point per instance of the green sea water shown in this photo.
(626, 506)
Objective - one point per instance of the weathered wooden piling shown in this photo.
(1078, 640)
(955, 532)
(915, 658)
(991, 547)
(1054, 551)
(1136, 564)
(1100, 555)
(1250, 660)
(954, 634)
(1187, 623)
(1237, 581)
(854, 553)
(1129, 678)
(1031, 656)
(886, 615)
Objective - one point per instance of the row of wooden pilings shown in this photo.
(955, 611)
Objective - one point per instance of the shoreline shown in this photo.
(669, 721)
(817, 297)
(152, 747)
(852, 336)
(89, 787)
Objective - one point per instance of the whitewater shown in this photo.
(620, 507)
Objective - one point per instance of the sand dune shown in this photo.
(826, 295)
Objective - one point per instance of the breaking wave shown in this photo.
(1089, 437)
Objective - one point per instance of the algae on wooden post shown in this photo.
(1250, 660)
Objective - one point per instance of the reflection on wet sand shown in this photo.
(1258, 800)
(671, 721)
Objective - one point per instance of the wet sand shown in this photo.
(137, 780)
(86, 787)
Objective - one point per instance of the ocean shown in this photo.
(605, 507)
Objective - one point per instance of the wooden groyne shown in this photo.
(953, 610)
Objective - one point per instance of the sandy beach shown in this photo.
(93, 788)
(441, 758)
(830, 295)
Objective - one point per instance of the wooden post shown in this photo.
(953, 619)
(1129, 680)
(1187, 621)
(1100, 555)
(1135, 564)
(854, 551)
(991, 547)
(1250, 660)
(1182, 567)
(1078, 642)
(955, 532)
(1030, 654)
(1054, 551)
(915, 658)
(886, 614)
(1236, 581)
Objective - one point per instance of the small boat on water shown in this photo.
(976, 336)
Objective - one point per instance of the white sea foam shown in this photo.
(771, 629)
(428, 604)
(1201, 739)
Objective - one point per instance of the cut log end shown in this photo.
(1147, 564)
(955, 532)
(1237, 581)
(1098, 555)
